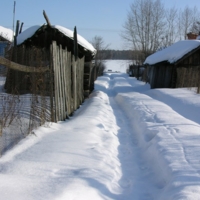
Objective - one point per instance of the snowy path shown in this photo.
(122, 144)
(169, 141)
(136, 174)
(92, 156)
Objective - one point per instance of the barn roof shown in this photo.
(6, 33)
(28, 33)
(173, 53)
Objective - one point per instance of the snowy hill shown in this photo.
(125, 142)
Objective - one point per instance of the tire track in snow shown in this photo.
(174, 101)
(164, 137)
(168, 100)
(174, 134)
(136, 173)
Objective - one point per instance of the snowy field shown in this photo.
(117, 65)
(125, 142)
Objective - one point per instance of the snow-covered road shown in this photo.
(124, 142)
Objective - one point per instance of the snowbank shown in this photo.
(169, 142)
(123, 143)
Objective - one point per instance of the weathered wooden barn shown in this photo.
(52, 61)
(175, 66)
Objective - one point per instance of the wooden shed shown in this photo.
(175, 66)
(39, 38)
(52, 61)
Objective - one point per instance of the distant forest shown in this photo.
(121, 55)
(117, 54)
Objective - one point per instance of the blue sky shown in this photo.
(91, 17)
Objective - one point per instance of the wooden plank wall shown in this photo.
(68, 82)
(188, 77)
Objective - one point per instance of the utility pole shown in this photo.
(14, 19)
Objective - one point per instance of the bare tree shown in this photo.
(187, 17)
(196, 27)
(150, 27)
(171, 31)
(99, 45)
(144, 26)
(196, 22)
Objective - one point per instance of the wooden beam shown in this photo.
(12, 65)
(75, 44)
(16, 33)
(46, 18)
(20, 30)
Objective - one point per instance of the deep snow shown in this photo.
(125, 142)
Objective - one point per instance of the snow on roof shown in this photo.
(31, 31)
(6, 33)
(82, 41)
(173, 53)
(27, 34)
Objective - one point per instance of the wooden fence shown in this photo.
(68, 80)
(42, 85)
(68, 91)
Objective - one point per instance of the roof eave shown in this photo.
(158, 63)
(45, 26)
(186, 55)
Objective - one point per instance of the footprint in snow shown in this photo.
(101, 126)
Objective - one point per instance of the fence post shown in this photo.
(52, 82)
(74, 90)
(69, 82)
(56, 89)
(62, 83)
(66, 97)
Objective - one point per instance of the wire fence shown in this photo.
(24, 97)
